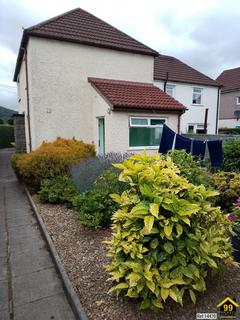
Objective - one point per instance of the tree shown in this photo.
(10, 121)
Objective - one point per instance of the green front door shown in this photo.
(101, 136)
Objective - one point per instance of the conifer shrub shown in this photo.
(167, 237)
(52, 159)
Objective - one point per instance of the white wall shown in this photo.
(195, 114)
(229, 123)
(60, 95)
(117, 125)
(22, 98)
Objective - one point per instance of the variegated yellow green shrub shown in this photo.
(166, 234)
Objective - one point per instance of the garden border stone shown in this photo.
(68, 288)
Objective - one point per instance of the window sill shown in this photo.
(197, 105)
(143, 148)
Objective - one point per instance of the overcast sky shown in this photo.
(203, 34)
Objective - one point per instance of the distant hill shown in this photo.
(6, 113)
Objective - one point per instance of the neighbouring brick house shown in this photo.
(230, 98)
(193, 89)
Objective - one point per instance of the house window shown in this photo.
(197, 96)
(145, 132)
(196, 128)
(170, 90)
(191, 129)
(238, 100)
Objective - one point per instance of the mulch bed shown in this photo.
(83, 255)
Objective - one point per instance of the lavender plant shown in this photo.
(86, 172)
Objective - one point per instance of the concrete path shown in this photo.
(30, 288)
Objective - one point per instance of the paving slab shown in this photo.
(51, 308)
(36, 286)
(30, 261)
(23, 231)
(5, 315)
(3, 268)
(27, 244)
(3, 296)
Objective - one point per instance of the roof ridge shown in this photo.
(136, 83)
(50, 20)
(226, 70)
(179, 71)
(95, 17)
(125, 34)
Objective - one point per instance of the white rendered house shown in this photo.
(68, 71)
(199, 93)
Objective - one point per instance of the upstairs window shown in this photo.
(170, 90)
(197, 96)
(238, 100)
(145, 132)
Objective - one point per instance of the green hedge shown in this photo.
(6, 136)
(229, 130)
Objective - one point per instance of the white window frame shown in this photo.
(149, 125)
(238, 100)
(171, 87)
(201, 89)
(196, 126)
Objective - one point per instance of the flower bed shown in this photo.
(84, 256)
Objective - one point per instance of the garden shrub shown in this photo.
(95, 207)
(6, 136)
(57, 190)
(228, 185)
(52, 159)
(229, 130)
(86, 172)
(166, 235)
(231, 155)
(14, 159)
(191, 168)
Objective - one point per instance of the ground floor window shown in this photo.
(145, 131)
(196, 128)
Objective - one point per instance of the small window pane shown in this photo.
(238, 100)
(197, 90)
(197, 96)
(190, 129)
(139, 121)
(155, 122)
(145, 137)
(170, 90)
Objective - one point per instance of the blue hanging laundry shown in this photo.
(199, 148)
(167, 140)
(215, 152)
(183, 143)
